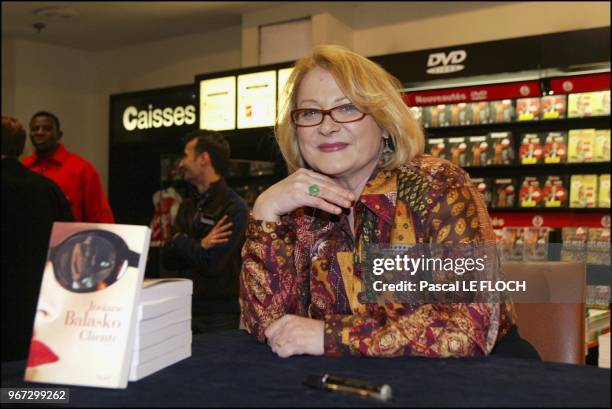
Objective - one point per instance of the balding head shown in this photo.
(13, 137)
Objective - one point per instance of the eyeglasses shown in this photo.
(91, 260)
(313, 117)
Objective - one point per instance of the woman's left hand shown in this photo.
(294, 335)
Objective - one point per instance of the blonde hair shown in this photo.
(369, 87)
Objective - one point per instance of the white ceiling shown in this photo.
(108, 24)
(102, 25)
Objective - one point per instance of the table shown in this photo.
(232, 369)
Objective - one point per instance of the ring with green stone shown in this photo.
(314, 190)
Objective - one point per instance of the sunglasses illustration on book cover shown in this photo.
(91, 260)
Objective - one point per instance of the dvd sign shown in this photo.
(443, 63)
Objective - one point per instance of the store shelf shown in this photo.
(518, 169)
(599, 122)
(548, 210)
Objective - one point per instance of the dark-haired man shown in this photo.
(78, 179)
(214, 268)
(30, 205)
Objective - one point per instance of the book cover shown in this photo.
(441, 115)
(86, 314)
(583, 191)
(535, 243)
(528, 109)
(453, 112)
(481, 112)
(601, 147)
(587, 104)
(574, 238)
(598, 297)
(502, 111)
(579, 105)
(501, 148)
(457, 151)
(530, 151)
(581, 145)
(604, 191)
(464, 113)
(436, 116)
(574, 243)
(417, 113)
(573, 141)
(587, 140)
(530, 193)
(504, 194)
(437, 147)
(555, 192)
(478, 149)
(483, 185)
(552, 107)
(576, 191)
(605, 102)
(512, 243)
(555, 147)
(598, 246)
(600, 103)
(426, 118)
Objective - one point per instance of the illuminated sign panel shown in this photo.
(256, 99)
(218, 104)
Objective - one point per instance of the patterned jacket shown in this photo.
(309, 264)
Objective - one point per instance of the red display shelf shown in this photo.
(548, 218)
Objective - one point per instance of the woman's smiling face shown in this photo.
(346, 151)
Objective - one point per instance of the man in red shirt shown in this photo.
(77, 178)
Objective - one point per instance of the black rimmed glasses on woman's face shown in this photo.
(312, 116)
(91, 260)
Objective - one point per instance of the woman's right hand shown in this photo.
(293, 192)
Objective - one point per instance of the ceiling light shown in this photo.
(56, 13)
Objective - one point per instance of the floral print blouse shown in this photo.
(309, 264)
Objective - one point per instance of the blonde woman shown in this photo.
(357, 175)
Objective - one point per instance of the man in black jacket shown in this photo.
(213, 264)
(30, 205)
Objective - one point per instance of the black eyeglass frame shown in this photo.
(324, 112)
(122, 252)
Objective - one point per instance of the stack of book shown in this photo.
(163, 330)
(597, 323)
(604, 351)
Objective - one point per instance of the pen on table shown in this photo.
(348, 385)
